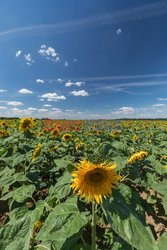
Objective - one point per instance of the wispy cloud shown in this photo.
(3, 108)
(109, 18)
(119, 31)
(80, 93)
(15, 103)
(123, 77)
(3, 90)
(28, 59)
(66, 64)
(162, 99)
(158, 105)
(69, 84)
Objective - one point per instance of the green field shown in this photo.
(38, 209)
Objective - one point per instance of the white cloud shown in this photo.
(79, 93)
(2, 107)
(69, 83)
(49, 53)
(79, 83)
(158, 105)
(53, 97)
(42, 110)
(32, 109)
(3, 90)
(25, 91)
(47, 105)
(124, 111)
(56, 109)
(18, 53)
(119, 31)
(39, 81)
(28, 59)
(127, 110)
(69, 110)
(16, 109)
(15, 103)
(66, 64)
(162, 99)
(60, 80)
(42, 99)
(75, 60)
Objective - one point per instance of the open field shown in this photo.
(38, 209)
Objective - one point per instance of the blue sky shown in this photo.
(83, 59)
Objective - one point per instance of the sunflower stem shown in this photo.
(93, 227)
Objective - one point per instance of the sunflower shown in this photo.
(79, 146)
(55, 132)
(115, 133)
(135, 138)
(41, 133)
(164, 157)
(4, 133)
(137, 157)
(4, 124)
(94, 181)
(37, 151)
(26, 123)
(66, 137)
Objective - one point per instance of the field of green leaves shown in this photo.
(38, 209)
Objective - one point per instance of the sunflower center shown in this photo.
(95, 177)
(26, 123)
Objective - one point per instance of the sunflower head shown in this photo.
(4, 133)
(66, 137)
(164, 157)
(94, 181)
(135, 138)
(37, 151)
(4, 124)
(55, 132)
(115, 133)
(41, 133)
(79, 146)
(137, 157)
(26, 123)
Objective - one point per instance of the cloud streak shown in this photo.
(109, 18)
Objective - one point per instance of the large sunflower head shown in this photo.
(94, 181)
(26, 123)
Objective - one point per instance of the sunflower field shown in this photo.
(83, 190)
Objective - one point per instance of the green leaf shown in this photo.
(12, 235)
(62, 187)
(127, 222)
(63, 222)
(22, 193)
(162, 242)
